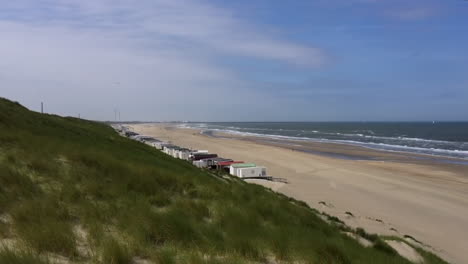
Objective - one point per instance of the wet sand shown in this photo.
(383, 192)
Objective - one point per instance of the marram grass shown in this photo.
(133, 202)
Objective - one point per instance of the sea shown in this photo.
(438, 139)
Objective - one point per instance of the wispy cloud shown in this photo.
(197, 60)
(399, 9)
(144, 56)
(194, 23)
(413, 13)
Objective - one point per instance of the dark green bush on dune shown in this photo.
(130, 201)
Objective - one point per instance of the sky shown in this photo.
(244, 60)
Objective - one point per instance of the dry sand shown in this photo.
(406, 251)
(397, 196)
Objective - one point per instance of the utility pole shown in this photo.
(42, 107)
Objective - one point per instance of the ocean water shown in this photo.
(446, 139)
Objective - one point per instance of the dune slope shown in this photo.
(74, 191)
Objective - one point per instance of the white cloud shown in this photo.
(195, 23)
(396, 9)
(63, 67)
(412, 13)
(155, 59)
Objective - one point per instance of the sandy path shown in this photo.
(428, 202)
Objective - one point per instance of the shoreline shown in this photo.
(392, 195)
(408, 154)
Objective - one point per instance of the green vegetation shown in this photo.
(132, 202)
(114, 253)
(371, 237)
(20, 257)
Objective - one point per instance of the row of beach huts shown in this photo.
(199, 158)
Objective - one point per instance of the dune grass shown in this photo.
(43, 224)
(136, 202)
(9, 256)
(114, 252)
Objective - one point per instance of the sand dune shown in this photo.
(428, 202)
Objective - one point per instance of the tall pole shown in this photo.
(42, 107)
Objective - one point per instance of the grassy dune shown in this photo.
(75, 191)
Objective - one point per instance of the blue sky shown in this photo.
(263, 60)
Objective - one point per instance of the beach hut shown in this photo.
(168, 149)
(208, 162)
(215, 162)
(123, 131)
(235, 167)
(164, 148)
(143, 138)
(184, 154)
(160, 145)
(130, 134)
(251, 172)
(151, 141)
(220, 160)
(199, 156)
(203, 163)
(180, 152)
(175, 152)
(228, 163)
(225, 164)
(199, 151)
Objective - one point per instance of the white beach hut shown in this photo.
(200, 163)
(161, 145)
(168, 149)
(175, 152)
(199, 151)
(233, 169)
(251, 172)
(184, 154)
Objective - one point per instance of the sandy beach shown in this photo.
(385, 193)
